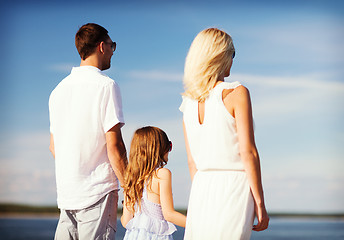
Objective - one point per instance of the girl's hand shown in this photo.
(126, 216)
(263, 219)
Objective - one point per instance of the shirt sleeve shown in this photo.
(112, 113)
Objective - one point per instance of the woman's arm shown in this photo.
(191, 162)
(126, 216)
(52, 146)
(239, 103)
(166, 199)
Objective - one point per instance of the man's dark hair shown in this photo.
(88, 37)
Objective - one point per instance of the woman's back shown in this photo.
(220, 203)
(213, 139)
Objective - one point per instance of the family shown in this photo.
(91, 161)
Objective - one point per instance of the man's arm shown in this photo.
(116, 151)
(52, 147)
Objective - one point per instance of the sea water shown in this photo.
(280, 228)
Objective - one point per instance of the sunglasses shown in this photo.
(113, 45)
(233, 56)
(170, 146)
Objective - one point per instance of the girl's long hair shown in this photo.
(147, 150)
(208, 58)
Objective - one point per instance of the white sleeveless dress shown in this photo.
(221, 204)
(149, 223)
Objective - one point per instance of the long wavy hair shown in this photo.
(147, 150)
(209, 57)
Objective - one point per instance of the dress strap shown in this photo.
(218, 90)
(227, 85)
(182, 105)
(144, 193)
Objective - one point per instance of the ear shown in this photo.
(101, 47)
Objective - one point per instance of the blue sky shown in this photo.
(289, 54)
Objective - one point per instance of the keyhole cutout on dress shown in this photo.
(201, 110)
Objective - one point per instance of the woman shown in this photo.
(222, 157)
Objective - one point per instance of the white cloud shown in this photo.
(28, 172)
(64, 68)
(309, 81)
(319, 80)
(29, 148)
(304, 41)
(157, 75)
(297, 193)
(292, 95)
(273, 95)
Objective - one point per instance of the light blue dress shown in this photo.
(149, 223)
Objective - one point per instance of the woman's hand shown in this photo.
(263, 219)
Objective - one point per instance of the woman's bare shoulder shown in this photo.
(238, 94)
(241, 90)
(241, 94)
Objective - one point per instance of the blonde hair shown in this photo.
(208, 58)
(147, 150)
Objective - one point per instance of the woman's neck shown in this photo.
(218, 82)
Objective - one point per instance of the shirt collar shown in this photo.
(90, 68)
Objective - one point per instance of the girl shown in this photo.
(148, 211)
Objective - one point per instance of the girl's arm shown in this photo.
(241, 104)
(166, 198)
(127, 215)
(191, 162)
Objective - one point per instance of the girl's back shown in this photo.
(153, 194)
(149, 221)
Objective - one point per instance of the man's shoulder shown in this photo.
(61, 83)
(101, 78)
(84, 76)
(106, 80)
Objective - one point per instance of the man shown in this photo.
(86, 141)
